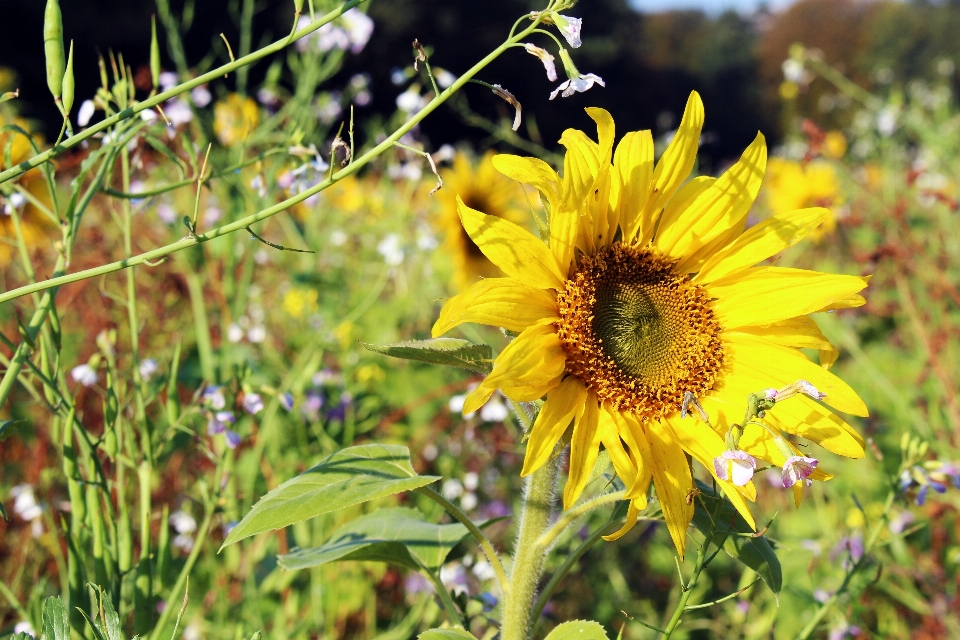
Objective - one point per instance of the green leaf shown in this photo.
(56, 625)
(6, 424)
(446, 634)
(110, 614)
(399, 535)
(448, 351)
(23, 635)
(343, 479)
(716, 516)
(578, 630)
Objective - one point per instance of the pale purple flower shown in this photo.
(843, 631)
(569, 28)
(25, 502)
(454, 577)
(286, 401)
(577, 85)
(851, 548)
(84, 374)
(212, 396)
(219, 421)
(494, 410)
(232, 438)
(252, 403)
(798, 469)
(900, 523)
(735, 466)
(546, 58)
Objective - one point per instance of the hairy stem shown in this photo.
(538, 501)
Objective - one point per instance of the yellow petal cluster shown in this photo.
(615, 201)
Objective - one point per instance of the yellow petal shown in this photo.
(584, 449)
(477, 398)
(564, 402)
(781, 366)
(631, 431)
(762, 241)
(759, 443)
(529, 366)
(803, 417)
(580, 166)
(498, 302)
(800, 332)
(632, 512)
(675, 164)
(721, 207)
(510, 247)
(850, 302)
(762, 295)
(703, 443)
(625, 467)
(633, 164)
(681, 201)
(532, 171)
(671, 477)
(595, 225)
(605, 133)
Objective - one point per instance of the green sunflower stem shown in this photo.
(686, 592)
(538, 501)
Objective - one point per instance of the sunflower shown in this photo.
(482, 188)
(645, 296)
(34, 224)
(793, 185)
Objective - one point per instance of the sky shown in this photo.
(710, 6)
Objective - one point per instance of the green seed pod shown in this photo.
(154, 54)
(298, 5)
(53, 47)
(67, 98)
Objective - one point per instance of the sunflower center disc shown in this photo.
(637, 333)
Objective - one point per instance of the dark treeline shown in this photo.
(650, 62)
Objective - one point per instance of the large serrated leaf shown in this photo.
(716, 514)
(578, 630)
(446, 634)
(56, 625)
(448, 351)
(399, 535)
(343, 479)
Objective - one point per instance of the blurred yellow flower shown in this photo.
(791, 185)
(789, 90)
(34, 224)
(234, 118)
(300, 302)
(834, 144)
(370, 373)
(483, 188)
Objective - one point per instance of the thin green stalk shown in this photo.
(204, 344)
(544, 597)
(492, 557)
(246, 29)
(547, 539)
(686, 591)
(243, 223)
(812, 624)
(538, 501)
(210, 510)
(39, 317)
(452, 613)
(160, 98)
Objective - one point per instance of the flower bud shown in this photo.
(68, 84)
(154, 54)
(53, 47)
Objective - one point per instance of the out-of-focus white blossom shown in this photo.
(84, 374)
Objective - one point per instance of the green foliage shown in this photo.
(578, 630)
(446, 351)
(717, 518)
(349, 477)
(56, 625)
(399, 535)
(446, 634)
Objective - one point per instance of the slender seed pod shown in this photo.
(104, 82)
(298, 5)
(154, 54)
(53, 47)
(68, 85)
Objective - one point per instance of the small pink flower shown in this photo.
(798, 469)
(735, 466)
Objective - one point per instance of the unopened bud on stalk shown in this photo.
(154, 54)
(53, 47)
(298, 5)
(68, 84)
